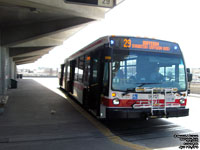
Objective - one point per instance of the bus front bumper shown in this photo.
(124, 113)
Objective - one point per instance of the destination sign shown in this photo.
(144, 44)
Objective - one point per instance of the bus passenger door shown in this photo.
(61, 78)
(86, 81)
(96, 82)
(71, 77)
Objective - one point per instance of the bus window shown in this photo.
(68, 72)
(80, 68)
(131, 69)
(86, 74)
(124, 71)
(94, 70)
(62, 74)
(76, 70)
(105, 79)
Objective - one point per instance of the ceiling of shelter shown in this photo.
(31, 28)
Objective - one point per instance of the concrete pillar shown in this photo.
(4, 70)
(4, 74)
(15, 71)
(12, 69)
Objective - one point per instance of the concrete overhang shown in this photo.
(23, 53)
(27, 59)
(31, 28)
(25, 62)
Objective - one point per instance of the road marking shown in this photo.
(104, 130)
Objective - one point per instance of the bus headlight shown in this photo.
(116, 101)
(182, 101)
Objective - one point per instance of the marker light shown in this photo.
(184, 94)
(108, 57)
(116, 101)
(112, 42)
(88, 58)
(175, 47)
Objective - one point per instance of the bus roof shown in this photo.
(130, 43)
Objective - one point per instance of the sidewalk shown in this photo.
(37, 118)
(194, 95)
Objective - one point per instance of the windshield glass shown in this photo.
(131, 69)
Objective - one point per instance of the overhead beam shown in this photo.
(28, 59)
(25, 62)
(24, 58)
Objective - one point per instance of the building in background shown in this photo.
(39, 72)
(196, 74)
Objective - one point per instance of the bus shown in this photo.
(118, 77)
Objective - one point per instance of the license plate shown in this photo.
(155, 97)
(170, 98)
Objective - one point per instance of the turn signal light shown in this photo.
(113, 94)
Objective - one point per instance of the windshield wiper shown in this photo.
(128, 90)
(142, 84)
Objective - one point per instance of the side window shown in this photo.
(95, 68)
(76, 70)
(181, 73)
(87, 70)
(62, 74)
(68, 72)
(80, 68)
(105, 76)
(64, 71)
(95, 62)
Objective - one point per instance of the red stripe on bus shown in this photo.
(129, 103)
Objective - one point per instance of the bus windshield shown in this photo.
(131, 69)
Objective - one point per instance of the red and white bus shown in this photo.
(128, 77)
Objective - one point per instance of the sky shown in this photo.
(171, 20)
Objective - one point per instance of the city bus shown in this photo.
(118, 77)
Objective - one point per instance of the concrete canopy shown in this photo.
(31, 28)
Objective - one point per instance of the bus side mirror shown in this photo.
(189, 75)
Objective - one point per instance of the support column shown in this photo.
(4, 78)
(12, 69)
(15, 71)
(4, 70)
